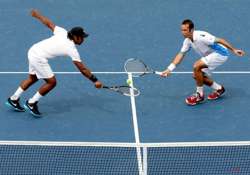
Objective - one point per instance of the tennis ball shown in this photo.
(129, 81)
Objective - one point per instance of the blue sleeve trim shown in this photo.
(220, 49)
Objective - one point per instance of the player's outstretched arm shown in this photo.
(177, 60)
(237, 52)
(47, 22)
(87, 73)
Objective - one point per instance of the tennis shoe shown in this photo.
(195, 99)
(216, 94)
(33, 108)
(14, 104)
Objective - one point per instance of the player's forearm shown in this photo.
(225, 43)
(47, 22)
(178, 58)
(85, 71)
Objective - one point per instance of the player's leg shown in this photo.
(13, 101)
(214, 60)
(209, 82)
(50, 83)
(43, 71)
(198, 75)
(25, 84)
(31, 104)
(206, 79)
(218, 89)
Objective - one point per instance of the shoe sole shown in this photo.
(193, 104)
(32, 113)
(9, 105)
(216, 98)
(213, 98)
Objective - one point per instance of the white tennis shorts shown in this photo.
(212, 61)
(39, 67)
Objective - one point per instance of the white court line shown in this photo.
(218, 72)
(181, 72)
(125, 144)
(66, 72)
(136, 128)
(134, 113)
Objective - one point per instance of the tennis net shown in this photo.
(78, 158)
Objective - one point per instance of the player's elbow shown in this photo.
(50, 25)
(220, 40)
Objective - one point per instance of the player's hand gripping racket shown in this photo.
(124, 90)
(138, 68)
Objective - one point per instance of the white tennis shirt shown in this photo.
(57, 45)
(204, 44)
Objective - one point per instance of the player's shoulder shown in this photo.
(200, 34)
(60, 30)
(186, 41)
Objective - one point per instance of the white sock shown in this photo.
(17, 94)
(216, 86)
(35, 98)
(200, 90)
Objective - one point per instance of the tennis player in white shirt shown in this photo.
(62, 43)
(213, 51)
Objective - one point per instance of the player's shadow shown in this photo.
(232, 96)
(84, 102)
(236, 94)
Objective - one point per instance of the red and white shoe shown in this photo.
(195, 99)
(216, 94)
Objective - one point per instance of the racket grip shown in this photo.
(158, 73)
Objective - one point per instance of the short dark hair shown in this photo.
(189, 22)
(77, 31)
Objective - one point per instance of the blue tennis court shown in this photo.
(75, 111)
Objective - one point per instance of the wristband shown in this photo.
(93, 78)
(171, 67)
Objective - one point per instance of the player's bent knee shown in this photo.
(53, 84)
(32, 79)
(197, 67)
(194, 77)
(51, 81)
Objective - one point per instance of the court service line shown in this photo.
(181, 72)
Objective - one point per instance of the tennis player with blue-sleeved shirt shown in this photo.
(213, 51)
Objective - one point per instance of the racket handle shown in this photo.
(158, 73)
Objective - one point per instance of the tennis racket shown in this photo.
(138, 68)
(124, 90)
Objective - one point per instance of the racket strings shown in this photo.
(136, 67)
(129, 91)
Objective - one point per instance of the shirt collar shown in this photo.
(194, 36)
